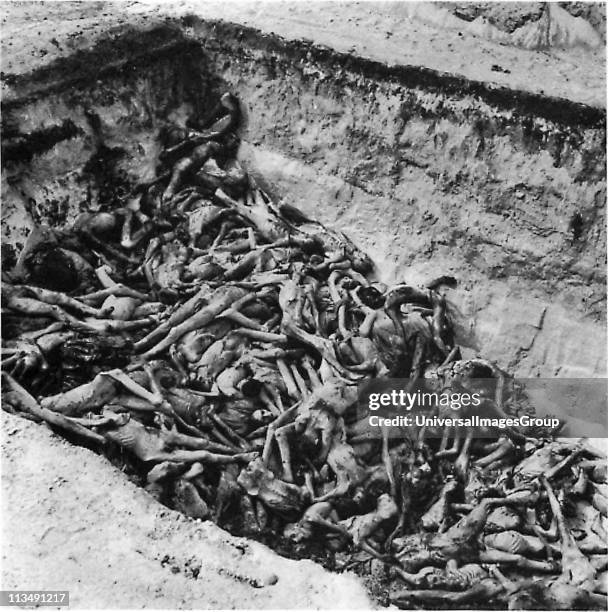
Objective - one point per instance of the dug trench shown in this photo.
(504, 190)
(429, 173)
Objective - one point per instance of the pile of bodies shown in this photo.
(212, 342)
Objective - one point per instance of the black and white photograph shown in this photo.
(303, 305)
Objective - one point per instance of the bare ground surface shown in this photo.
(35, 33)
(72, 521)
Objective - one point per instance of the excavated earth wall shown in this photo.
(431, 173)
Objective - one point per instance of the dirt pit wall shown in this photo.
(77, 134)
(430, 173)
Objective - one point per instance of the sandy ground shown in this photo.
(392, 32)
(72, 521)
